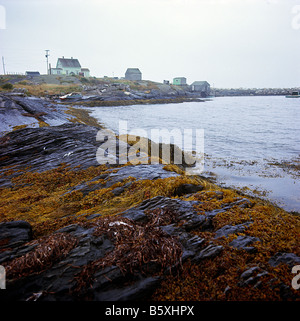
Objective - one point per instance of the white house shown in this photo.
(69, 66)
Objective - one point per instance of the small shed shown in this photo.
(32, 73)
(203, 87)
(133, 74)
(85, 72)
(179, 81)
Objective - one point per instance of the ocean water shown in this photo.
(248, 141)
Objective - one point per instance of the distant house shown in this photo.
(69, 66)
(203, 87)
(32, 73)
(133, 74)
(179, 81)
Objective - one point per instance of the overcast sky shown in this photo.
(229, 43)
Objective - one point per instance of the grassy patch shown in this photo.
(41, 90)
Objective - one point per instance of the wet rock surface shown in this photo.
(290, 259)
(252, 276)
(13, 234)
(244, 242)
(140, 172)
(229, 229)
(45, 148)
(16, 110)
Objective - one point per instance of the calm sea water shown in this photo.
(245, 137)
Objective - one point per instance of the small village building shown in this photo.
(202, 87)
(179, 81)
(133, 74)
(32, 73)
(70, 67)
(85, 72)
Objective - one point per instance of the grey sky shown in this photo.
(230, 43)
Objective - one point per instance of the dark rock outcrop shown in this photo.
(252, 276)
(14, 234)
(139, 172)
(28, 111)
(229, 229)
(187, 189)
(290, 259)
(243, 242)
(46, 148)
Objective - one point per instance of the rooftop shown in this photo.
(69, 62)
(133, 70)
(199, 83)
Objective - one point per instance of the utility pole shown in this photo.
(47, 55)
(3, 64)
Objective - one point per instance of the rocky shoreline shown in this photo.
(99, 92)
(71, 229)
